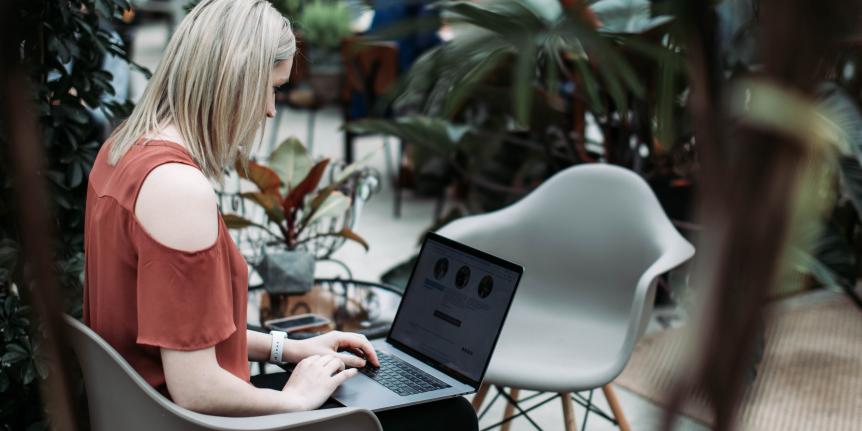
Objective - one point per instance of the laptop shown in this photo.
(445, 330)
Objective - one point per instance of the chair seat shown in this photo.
(535, 353)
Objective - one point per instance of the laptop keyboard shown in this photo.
(401, 377)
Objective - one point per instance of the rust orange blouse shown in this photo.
(140, 294)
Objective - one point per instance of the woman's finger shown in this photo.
(358, 341)
(344, 375)
(325, 360)
(334, 366)
(351, 360)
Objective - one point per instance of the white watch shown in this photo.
(277, 349)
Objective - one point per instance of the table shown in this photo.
(352, 305)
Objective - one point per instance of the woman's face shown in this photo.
(280, 75)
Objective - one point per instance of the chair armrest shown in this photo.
(675, 255)
(344, 418)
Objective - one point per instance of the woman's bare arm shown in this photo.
(197, 382)
(177, 207)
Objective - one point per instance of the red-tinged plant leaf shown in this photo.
(270, 204)
(351, 235)
(234, 221)
(341, 178)
(346, 233)
(263, 177)
(296, 196)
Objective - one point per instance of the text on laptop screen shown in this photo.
(454, 307)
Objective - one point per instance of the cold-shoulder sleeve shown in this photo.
(184, 299)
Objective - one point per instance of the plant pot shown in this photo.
(287, 272)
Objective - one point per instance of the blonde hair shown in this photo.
(212, 82)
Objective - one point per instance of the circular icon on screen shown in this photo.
(486, 285)
(441, 268)
(462, 277)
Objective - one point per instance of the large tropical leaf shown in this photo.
(353, 236)
(290, 160)
(270, 204)
(336, 204)
(845, 118)
(434, 133)
(296, 196)
(234, 221)
(340, 178)
(831, 261)
(627, 16)
(266, 180)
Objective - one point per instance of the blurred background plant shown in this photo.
(288, 8)
(522, 92)
(507, 102)
(324, 23)
(68, 48)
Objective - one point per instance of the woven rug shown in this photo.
(810, 377)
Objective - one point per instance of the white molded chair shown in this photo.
(120, 399)
(592, 239)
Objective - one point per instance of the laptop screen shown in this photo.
(454, 306)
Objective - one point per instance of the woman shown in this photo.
(165, 284)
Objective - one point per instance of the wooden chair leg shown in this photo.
(616, 408)
(479, 398)
(510, 408)
(568, 411)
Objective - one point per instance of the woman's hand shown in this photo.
(329, 344)
(314, 379)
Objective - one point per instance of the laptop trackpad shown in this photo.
(361, 391)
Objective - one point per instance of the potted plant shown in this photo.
(323, 24)
(289, 192)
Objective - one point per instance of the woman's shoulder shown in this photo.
(176, 205)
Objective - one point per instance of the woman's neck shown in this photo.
(168, 133)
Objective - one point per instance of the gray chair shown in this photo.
(119, 399)
(593, 240)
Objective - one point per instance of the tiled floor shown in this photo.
(394, 240)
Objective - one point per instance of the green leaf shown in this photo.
(290, 160)
(843, 113)
(353, 167)
(522, 88)
(436, 134)
(465, 86)
(851, 178)
(627, 16)
(14, 353)
(29, 373)
(590, 83)
(335, 205)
